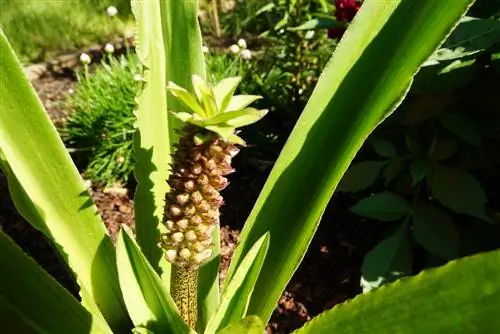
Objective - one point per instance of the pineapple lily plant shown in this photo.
(164, 279)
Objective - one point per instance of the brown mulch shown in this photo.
(328, 275)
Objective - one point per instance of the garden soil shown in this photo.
(328, 275)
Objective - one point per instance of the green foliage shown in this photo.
(101, 125)
(431, 154)
(60, 26)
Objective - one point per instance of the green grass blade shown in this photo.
(148, 302)
(151, 141)
(234, 301)
(31, 301)
(183, 50)
(460, 297)
(59, 204)
(367, 76)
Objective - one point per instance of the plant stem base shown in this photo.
(184, 287)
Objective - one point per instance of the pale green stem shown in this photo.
(184, 289)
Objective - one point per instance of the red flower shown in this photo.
(345, 10)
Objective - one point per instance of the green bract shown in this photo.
(217, 108)
(128, 288)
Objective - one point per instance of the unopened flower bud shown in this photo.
(111, 11)
(242, 43)
(109, 48)
(85, 59)
(234, 48)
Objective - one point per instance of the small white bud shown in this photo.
(309, 34)
(71, 91)
(85, 59)
(246, 54)
(177, 237)
(203, 256)
(185, 253)
(205, 49)
(242, 43)
(111, 11)
(234, 48)
(120, 160)
(171, 254)
(182, 224)
(109, 48)
(191, 236)
(138, 77)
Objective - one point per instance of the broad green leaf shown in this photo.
(206, 94)
(187, 98)
(419, 169)
(153, 138)
(388, 261)
(459, 191)
(391, 171)
(148, 301)
(360, 176)
(31, 301)
(142, 330)
(384, 206)
(249, 325)
(53, 197)
(353, 95)
(384, 148)
(241, 101)
(459, 297)
(224, 91)
(223, 130)
(434, 230)
(471, 37)
(445, 149)
(236, 295)
(463, 127)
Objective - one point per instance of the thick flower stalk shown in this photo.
(201, 160)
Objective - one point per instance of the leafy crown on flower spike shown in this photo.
(216, 108)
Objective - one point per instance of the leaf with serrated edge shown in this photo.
(241, 101)
(59, 203)
(148, 302)
(433, 229)
(236, 295)
(224, 91)
(459, 297)
(352, 96)
(389, 260)
(384, 206)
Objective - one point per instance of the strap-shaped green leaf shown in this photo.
(236, 296)
(365, 80)
(148, 302)
(462, 296)
(31, 301)
(52, 195)
(152, 140)
(241, 101)
(224, 91)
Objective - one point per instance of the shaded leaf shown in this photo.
(392, 170)
(419, 170)
(384, 148)
(388, 261)
(435, 231)
(385, 206)
(445, 149)
(360, 176)
(459, 191)
(463, 127)
(323, 22)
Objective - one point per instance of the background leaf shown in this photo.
(419, 169)
(447, 299)
(52, 195)
(384, 206)
(434, 230)
(31, 301)
(463, 127)
(392, 170)
(249, 325)
(389, 260)
(384, 148)
(360, 176)
(459, 191)
(328, 133)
